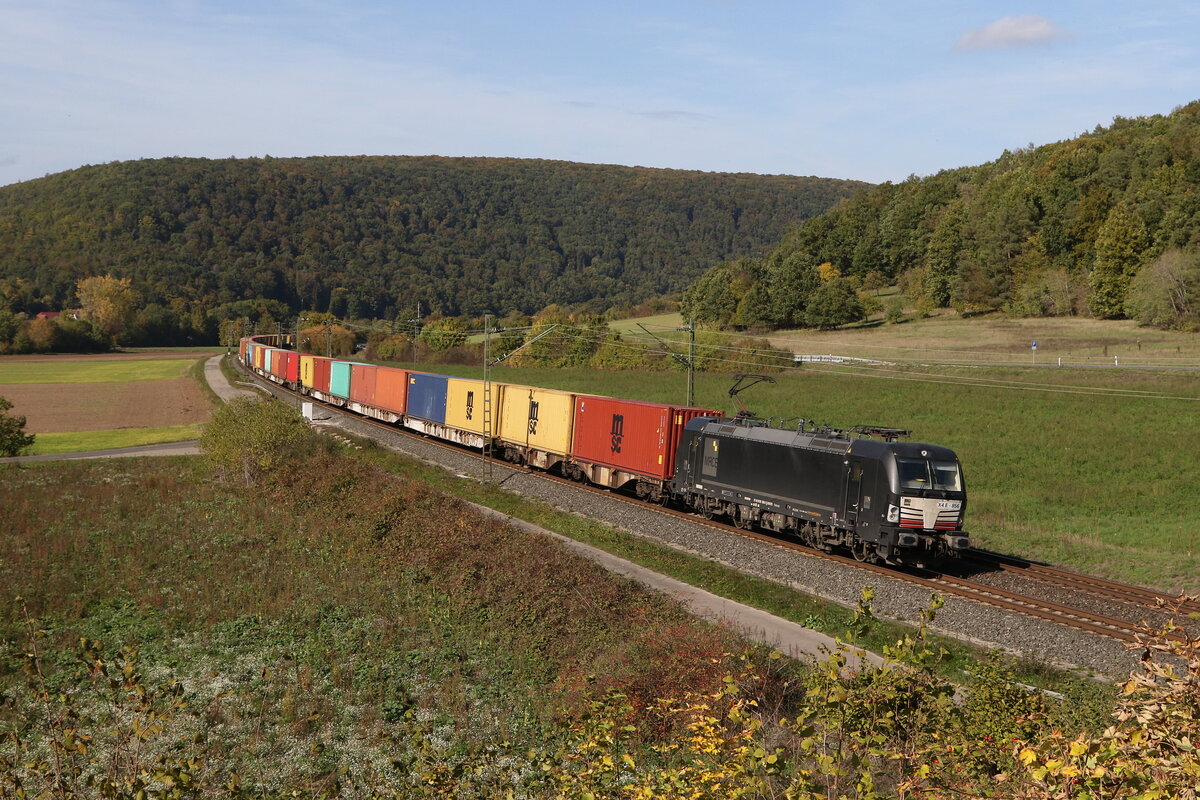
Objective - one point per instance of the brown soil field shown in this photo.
(68, 407)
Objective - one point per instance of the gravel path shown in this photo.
(972, 622)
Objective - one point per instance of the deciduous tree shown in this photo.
(109, 302)
(13, 438)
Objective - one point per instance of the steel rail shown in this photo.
(1101, 587)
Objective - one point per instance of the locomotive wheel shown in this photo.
(863, 551)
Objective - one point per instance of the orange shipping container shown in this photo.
(391, 389)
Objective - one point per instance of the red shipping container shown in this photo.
(321, 374)
(362, 383)
(293, 366)
(391, 389)
(630, 435)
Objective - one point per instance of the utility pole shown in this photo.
(417, 322)
(689, 361)
(691, 329)
(487, 394)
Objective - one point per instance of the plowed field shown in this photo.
(55, 407)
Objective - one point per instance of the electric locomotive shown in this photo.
(883, 499)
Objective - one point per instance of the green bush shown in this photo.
(253, 438)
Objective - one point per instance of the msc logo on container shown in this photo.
(618, 431)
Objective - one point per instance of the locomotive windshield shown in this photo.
(920, 473)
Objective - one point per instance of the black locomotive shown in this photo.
(884, 500)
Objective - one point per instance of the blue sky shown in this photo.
(868, 90)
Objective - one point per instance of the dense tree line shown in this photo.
(373, 236)
(1106, 224)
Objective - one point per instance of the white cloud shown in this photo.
(1022, 31)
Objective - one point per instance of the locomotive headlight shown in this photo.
(893, 513)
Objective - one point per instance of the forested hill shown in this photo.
(371, 236)
(1106, 224)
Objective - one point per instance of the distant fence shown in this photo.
(832, 359)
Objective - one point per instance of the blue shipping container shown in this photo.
(427, 397)
(339, 378)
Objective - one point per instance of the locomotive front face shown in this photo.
(927, 498)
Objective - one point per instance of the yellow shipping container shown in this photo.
(537, 418)
(258, 357)
(306, 370)
(464, 404)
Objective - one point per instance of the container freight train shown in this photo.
(884, 501)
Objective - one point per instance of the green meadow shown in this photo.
(92, 371)
(83, 441)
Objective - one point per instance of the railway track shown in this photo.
(1068, 579)
(948, 585)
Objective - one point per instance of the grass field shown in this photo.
(1093, 469)
(948, 338)
(92, 371)
(82, 441)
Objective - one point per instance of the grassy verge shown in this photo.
(82, 441)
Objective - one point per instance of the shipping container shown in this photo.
(629, 435)
(339, 377)
(242, 349)
(362, 383)
(537, 419)
(273, 360)
(314, 373)
(465, 404)
(291, 369)
(427, 396)
(391, 389)
(259, 352)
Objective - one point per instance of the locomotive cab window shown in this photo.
(914, 473)
(946, 476)
(917, 473)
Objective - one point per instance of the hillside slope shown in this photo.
(1062, 229)
(371, 236)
